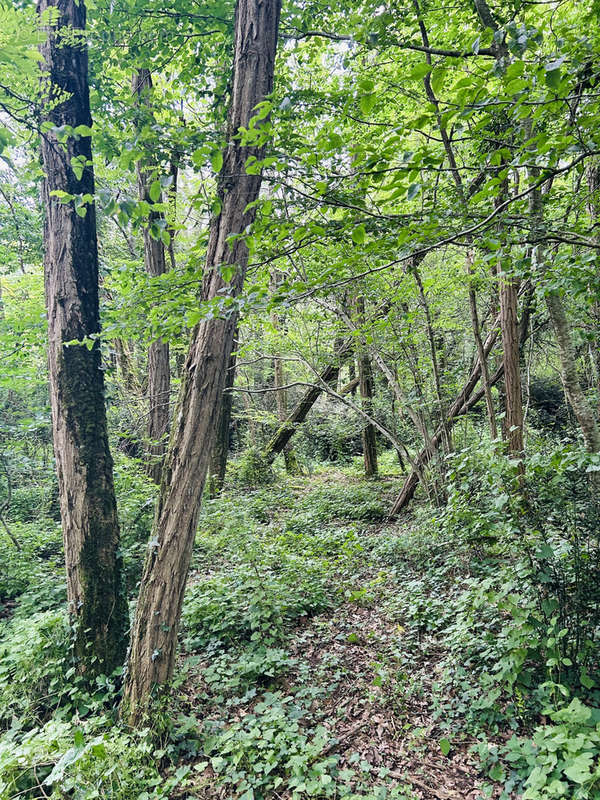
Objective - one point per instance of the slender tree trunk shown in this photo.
(463, 403)
(593, 180)
(509, 326)
(369, 440)
(582, 408)
(352, 372)
(291, 462)
(485, 374)
(301, 409)
(154, 634)
(159, 372)
(366, 388)
(220, 450)
(456, 409)
(83, 462)
(568, 367)
(344, 350)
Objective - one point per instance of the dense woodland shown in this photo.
(299, 399)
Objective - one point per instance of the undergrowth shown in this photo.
(490, 607)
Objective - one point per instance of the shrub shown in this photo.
(244, 606)
(83, 762)
(561, 759)
(36, 563)
(251, 470)
(34, 667)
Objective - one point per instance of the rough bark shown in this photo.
(83, 462)
(154, 634)
(155, 262)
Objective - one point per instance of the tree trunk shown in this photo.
(301, 409)
(456, 409)
(509, 325)
(485, 375)
(154, 634)
(568, 368)
(462, 404)
(83, 462)
(369, 441)
(220, 449)
(344, 349)
(159, 372)
(291, 462)
(584, 413)
(366, 389)
(465, 401)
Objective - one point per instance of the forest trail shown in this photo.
(359, 671)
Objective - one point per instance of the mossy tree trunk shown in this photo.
(154, 633)
(83, 462)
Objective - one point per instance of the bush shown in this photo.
(560, 759)
(242, 607)
(34, 667)
(251, 469)
(83, 761)
(29, 503)
(521, 625)
(257, 753)
(136, 495)
(35, 564)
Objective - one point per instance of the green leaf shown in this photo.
(419, 72)
(413, 190)
(83, 130)
(358, 234)
(445, 746)
(586, 680)
(154, 192)
(552, 78)
(227, 272)
(216, 160)
(579, 770)
(367, 101)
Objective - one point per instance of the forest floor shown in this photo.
(317, 671)
(325, 653)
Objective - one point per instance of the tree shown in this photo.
(154, 634)
(155, 262)
(83, 461)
